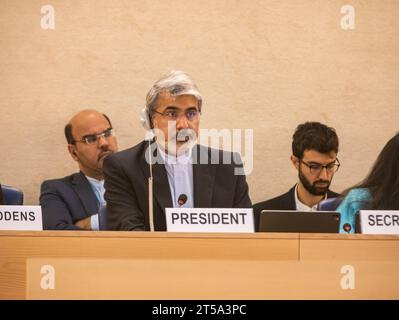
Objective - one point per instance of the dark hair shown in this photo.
(383, 179)
(68, 131)
(314, 136)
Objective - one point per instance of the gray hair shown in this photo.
(176, 83)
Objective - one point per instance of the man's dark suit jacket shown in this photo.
(67, 200)
(1, 195)
(285, 201)
(126, 183)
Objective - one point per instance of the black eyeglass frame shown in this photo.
(336, 164)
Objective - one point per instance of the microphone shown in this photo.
(347, 227)
(182, 199)
(146, 122)
(150, 192)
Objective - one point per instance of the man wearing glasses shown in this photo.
(180, 170)
(73, 202)
(314, 156)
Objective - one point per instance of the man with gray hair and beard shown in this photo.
(184, 173)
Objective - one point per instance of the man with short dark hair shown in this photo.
(73, 202)
(314, 156)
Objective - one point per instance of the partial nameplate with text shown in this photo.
(379, 221)
(21, 218)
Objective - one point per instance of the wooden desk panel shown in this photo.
(16, 247)
(143, 265)
(353, 247)
(209, 279)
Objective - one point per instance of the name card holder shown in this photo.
(379, 221)
(28, 218)
(209, 220)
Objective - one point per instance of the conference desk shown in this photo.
(143, 265)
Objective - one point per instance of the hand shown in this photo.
(84, 224)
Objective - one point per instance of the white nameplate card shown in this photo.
(21, 218)
(209, 220)
(379, 221)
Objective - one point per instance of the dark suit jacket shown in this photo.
(285, 201)
(67, 200)
(126, 183)
(1, 195)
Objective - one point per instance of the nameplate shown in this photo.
(209, 220)
(379, 221)
(21, 218)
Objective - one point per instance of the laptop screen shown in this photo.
(299, 221)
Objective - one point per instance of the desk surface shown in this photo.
(198, 266)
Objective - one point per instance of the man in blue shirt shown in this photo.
(73, 202)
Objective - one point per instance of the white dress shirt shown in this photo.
(180, 177)
(99, 190)
(300, 206)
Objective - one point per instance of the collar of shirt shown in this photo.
(184, 158)
(300, 206)
(180, 177)
(98, 188)
(96, 182)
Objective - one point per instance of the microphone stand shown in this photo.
(150, 192)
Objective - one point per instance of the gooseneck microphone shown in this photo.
(182, 199)
(146, 122)
(150, 192)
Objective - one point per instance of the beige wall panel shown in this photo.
(264, 65)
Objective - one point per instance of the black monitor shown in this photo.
(299, 221)
(357, 223)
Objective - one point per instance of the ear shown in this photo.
(146, 123)
(145, 119)
(295, 161)
(72, 152)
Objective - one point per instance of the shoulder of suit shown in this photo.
(274, 203)
(130, 153)
(64, 180)
(332, 194)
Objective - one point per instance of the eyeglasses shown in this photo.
(173, 115)
(93, 138)
(316, 168)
